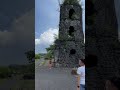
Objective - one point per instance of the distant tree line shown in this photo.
(25, 70)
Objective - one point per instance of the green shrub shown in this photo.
(37, 56)
(5, 72)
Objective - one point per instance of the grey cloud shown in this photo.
(11, 9)
(13, 45)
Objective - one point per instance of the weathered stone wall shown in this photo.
(66, 57)
(70, 48)
(64, 28)
(64, 11)
(102, 41)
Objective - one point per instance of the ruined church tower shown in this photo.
(70, 45)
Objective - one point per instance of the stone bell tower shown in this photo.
(71, 39)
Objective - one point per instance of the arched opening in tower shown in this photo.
(72, 51)
(71, 13)
(71, 31)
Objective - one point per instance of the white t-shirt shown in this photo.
(81, 72)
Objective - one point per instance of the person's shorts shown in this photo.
(82, 87)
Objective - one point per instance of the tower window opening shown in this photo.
(71, 31)
(71, 13)
(73, 51)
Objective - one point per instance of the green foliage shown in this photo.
(4, 69)
(37, 56)
(50, 52)
(55, 37)
(22, 69)
(50, 49)
(30, 56)
(71, 2)
(5, 72)
(31, 68)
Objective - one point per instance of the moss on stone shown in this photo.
(71, 2)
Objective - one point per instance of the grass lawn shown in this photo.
(17, 83)
(24, 85)
(2, 80)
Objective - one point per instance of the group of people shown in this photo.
(111, 84)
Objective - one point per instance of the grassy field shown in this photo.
(2, 81)
(24, 85)
(18, 84)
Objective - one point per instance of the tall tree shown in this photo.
(30, 56)
(51, 48)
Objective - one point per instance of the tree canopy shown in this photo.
(50, 49)
(37, 56)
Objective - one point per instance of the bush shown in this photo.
(37, 56)
(5, 75)
(28, 76)
(5, 72)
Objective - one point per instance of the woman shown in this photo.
(81, 75)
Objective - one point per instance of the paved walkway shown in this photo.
(54, 79)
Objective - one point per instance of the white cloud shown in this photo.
(47, 37)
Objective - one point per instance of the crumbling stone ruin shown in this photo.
(70, 46)
(102, 41)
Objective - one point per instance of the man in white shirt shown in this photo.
(81, 75)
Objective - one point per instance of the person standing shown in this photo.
(81, 75)
(50, 64)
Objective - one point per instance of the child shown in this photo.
(50, 64)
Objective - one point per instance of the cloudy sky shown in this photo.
(117, 7)
(16, 30)
(46, 23)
